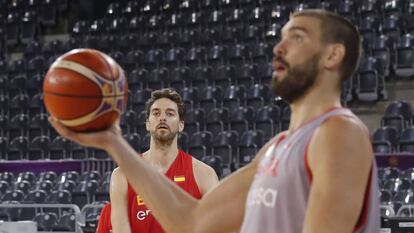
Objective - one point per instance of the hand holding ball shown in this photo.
(86, 90)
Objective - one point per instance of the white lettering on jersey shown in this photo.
(261, 196)
(141, 215)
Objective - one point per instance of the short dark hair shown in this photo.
(168, 93)
(337, 29)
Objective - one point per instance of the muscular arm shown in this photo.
(220, 210)
(205, 176)
(119, 210)
(340, 159)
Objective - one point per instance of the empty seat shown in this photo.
(213, 161)
(225, 145)
(397, 114)
(406, 141)
(234, 96)
(69, 175)
(404, 65)
(201, 144)
(35, 196)
(194, 120)
(249, 144)
(367, 81)
(385, 139)
(217, 120)
(210, 97)
(134, 140)
(257, 95)
(39, 148)
(67, 222)
(45, 221)
(60, 148)
(60, 197)
(241, 119)
(397, 184)
(18, 148)
(267, 120)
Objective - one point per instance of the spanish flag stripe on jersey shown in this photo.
(179, 178)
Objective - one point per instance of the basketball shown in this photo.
(86, 90)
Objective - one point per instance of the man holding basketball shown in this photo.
(165, 120)
(319, 176)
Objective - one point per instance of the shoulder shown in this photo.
(201, 168)
(205, 176)
(340, 140)
(118, 178)
(342, 127)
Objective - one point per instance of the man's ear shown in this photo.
(181, 126)
(335, 54)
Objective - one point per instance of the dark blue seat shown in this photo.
(39, 148)
(397, 114)
(404, 66)
(194, 120)
(250, 143)
(385, 139)
(225, 145)
(201, 144)
(406, 141)
(268, 119)
(217, 120)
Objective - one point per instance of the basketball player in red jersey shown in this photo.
(319, 176)
(104, 223)
(165, 120)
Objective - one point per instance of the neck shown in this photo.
(317, 101)
(162, 155)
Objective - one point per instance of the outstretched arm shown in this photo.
(220, 210)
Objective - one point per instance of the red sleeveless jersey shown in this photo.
(181, 172)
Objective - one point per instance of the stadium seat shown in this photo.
(39, 148)
(268, 119)
(67, 222)
(194, 120)
(35, 196)
(180, 77)
(404, 66)
(134, 140)
(225, 145)
(397, 184)
(397, 114)
(257, 95)
(217, 120)
(213, 161)
(202, 75)
(249, 144)
(45, 185)
(234, 96)
(190, 96)
(45, 221)
(18, 148)
(406, 141)
(210, 97)
(385, 139)
(241, 119)
(60, 148)
(23, 186)
(201, 144)
(367, 81)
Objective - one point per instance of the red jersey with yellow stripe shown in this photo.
(181, 172)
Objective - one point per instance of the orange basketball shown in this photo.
(86, 90)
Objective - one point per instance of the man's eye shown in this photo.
(298, 38)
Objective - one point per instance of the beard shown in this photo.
(298, 80)
(164, 138)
